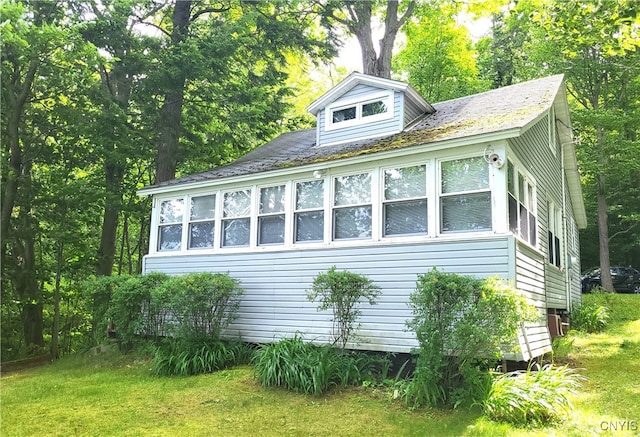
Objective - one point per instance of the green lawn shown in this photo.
(116, 395)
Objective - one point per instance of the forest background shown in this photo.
(103, 97)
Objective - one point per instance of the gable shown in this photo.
(363, 107)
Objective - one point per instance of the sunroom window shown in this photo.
(352, 207)
(521, 200)
(271, 215)
(202, 222)
(465, 195)
(554, 234)
(236, 224)
(309, 211)
(405, 201)
(170, 224)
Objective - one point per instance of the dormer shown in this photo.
(363, 107)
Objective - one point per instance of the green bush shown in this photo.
(462, 325)
(192, 356)
(341, 292)
(589, 318)
(313, 369)
(531, 397)
(201, 304)
(101, 289)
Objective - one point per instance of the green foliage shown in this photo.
(341, 292)
(155, 305)
(533, 396)
(461, 324)
(560, 348)
(589, 317)
(439, 58)
(307, 368)
(202, 304)
(193, 356)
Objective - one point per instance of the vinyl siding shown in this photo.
(275, 304)
(530, 280)
(366, 130)
(535, 153)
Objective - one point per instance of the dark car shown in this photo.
(625, 279)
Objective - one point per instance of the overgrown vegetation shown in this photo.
(308, 368)
(82, 394)
(193, 356)
(529, 397)
(183, 316)
(462, 325)
(589, 317)
(341, 292)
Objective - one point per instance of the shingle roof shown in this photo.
(500, 110)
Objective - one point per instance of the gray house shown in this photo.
(388, 186)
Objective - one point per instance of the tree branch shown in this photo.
(626, 231)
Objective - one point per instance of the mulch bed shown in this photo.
(27, 363)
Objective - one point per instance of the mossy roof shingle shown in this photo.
(499, 110)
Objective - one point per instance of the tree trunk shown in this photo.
(373, 63)
(170, 120)
(114, 174)
(603, 235)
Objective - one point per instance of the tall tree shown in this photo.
(359, 18)
(438, 58)
(42, 65)
(601, 64)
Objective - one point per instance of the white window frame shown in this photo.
(530, 202)
(335, 207)
(159, 225)
(296, 211)
(204, 220)
(554, 231)
(250, 216)
(260, 214)
(442, 195)
(387, 97)
(384, 201)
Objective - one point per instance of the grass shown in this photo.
(117, 395)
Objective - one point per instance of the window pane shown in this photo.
(403, 183)
(511, 183)
(374, 108)
(169, 237)
(237, 204)
(171, 211)
(235, 232)
(524, 223)
(530, 198)
(344, 114)
(513, 214)
(272, 199)
(471, 212)
(405, 218)
(201, 235)
(310, 226)
(533, 230)
(310, 194)
(521, 188)
(465, 175)
(271, 229)
(353, 189)
(352, 222)
(203, 207)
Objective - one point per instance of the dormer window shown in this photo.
(367, 109)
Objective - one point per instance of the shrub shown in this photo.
(531, 397)
(201, 304)
(312, 369)
(101, 290)
(461, 324)
(192, 356)
(341, 292)
(560, 348)
(589, 318)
